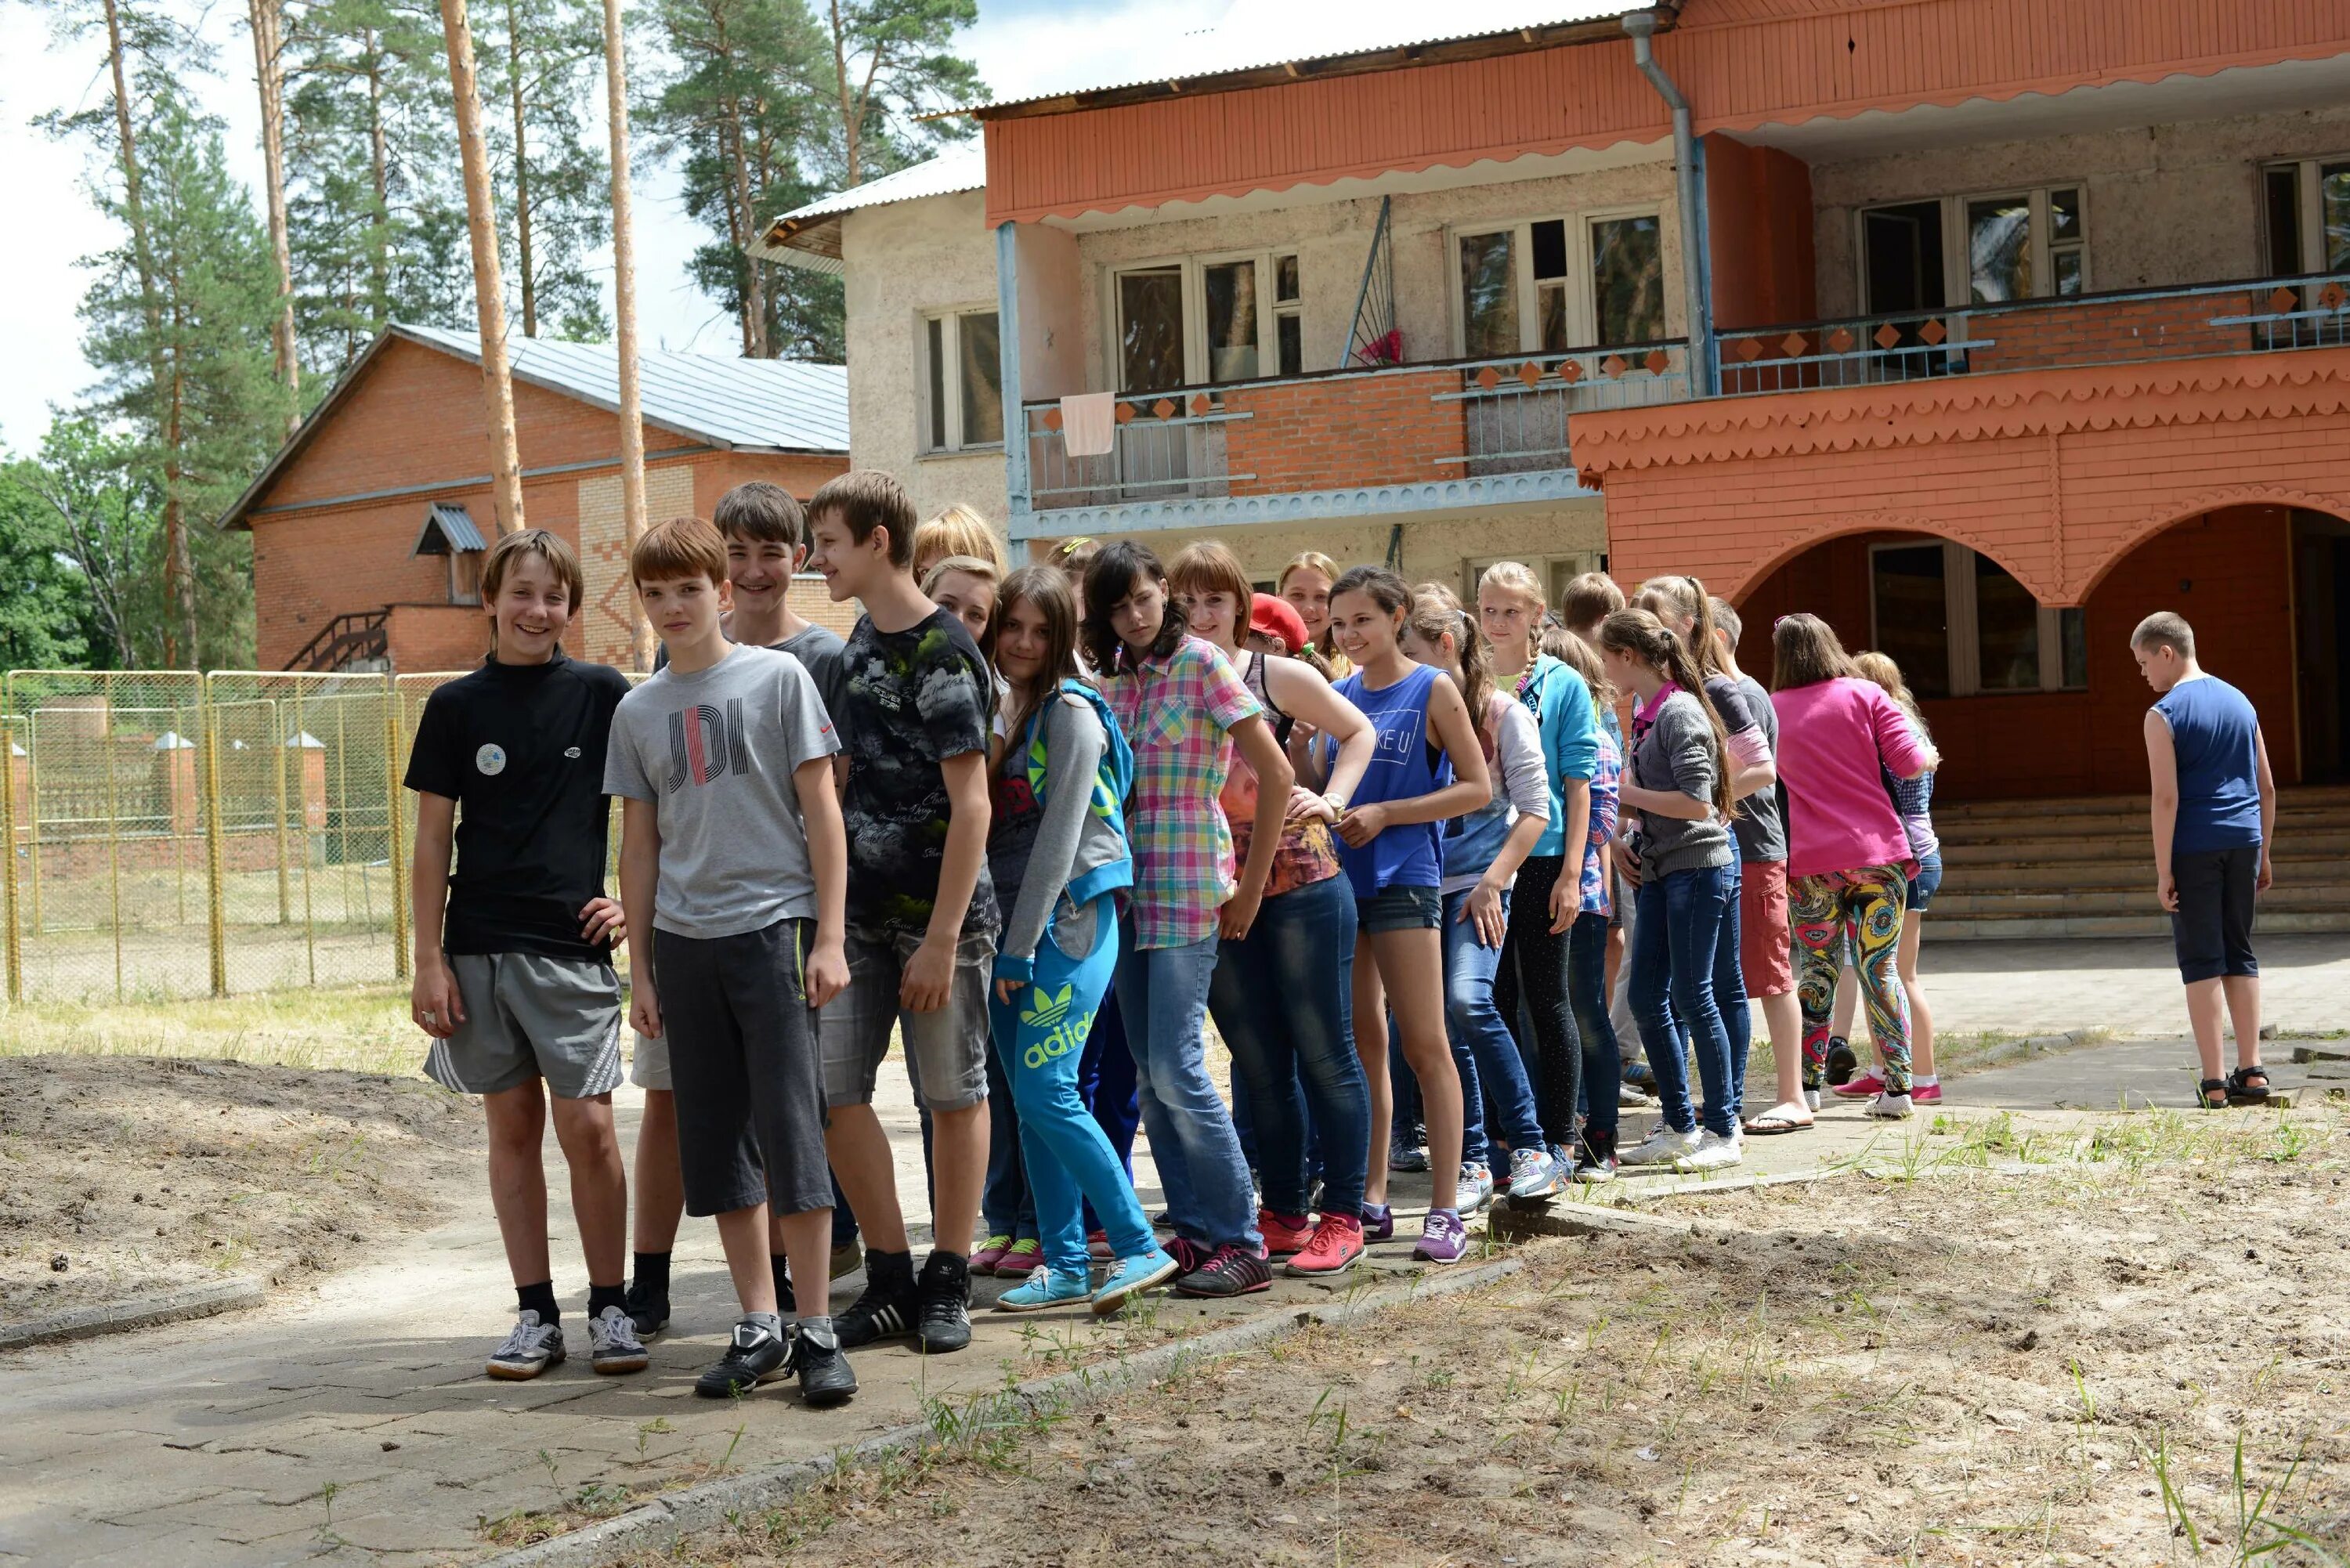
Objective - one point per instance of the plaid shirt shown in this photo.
(1177, 715)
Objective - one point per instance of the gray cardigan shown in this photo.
(1071, 841)
(1677, 753)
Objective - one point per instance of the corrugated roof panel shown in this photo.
(448, 528)
(962, 168)
(731, 402)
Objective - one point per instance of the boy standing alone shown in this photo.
(733, 860)
(513, 966)
(2214, 820)
(916, 701)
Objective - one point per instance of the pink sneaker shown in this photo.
(991, 1252)
(1926, 1094)
(1865, 1087)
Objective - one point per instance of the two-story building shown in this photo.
(1980, 326)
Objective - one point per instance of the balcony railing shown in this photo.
(2190, 322)
(1410, 424)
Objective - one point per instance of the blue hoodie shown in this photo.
(1561, 705)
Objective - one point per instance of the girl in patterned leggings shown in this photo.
(1848, 860)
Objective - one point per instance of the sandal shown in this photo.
(2214, 1094)
(1771, 1126)
(2243, 1091)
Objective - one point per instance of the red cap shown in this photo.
(1276, 617)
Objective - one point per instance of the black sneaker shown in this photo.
(887, 1307)
(944, 1296)
(823, 1366)
(648, 1308)
(1229, 1272)
(756, 1354)
(1842, 1062)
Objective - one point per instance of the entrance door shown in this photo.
(2321, 594)
(1901, 272)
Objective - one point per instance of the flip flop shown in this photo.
(1770, 1126)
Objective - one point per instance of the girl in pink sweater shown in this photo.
(1848, 859)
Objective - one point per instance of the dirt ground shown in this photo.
(124, 1174)
(2139, 1354)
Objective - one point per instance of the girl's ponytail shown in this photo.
(1436, 613)
(1640, 635)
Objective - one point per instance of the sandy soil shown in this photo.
(121, 1174)
(2064, 1366)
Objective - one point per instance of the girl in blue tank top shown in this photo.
(1426, 769)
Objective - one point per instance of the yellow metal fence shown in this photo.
(175, 835)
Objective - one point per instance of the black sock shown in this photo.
(538, 1298)
(652, 1273)
(784, 1300)
(601, 1296)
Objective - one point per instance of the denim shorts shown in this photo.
(1922, 887)
(1399, 910)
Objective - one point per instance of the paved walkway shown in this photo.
(2127, 986)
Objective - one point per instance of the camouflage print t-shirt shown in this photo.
(909, 699)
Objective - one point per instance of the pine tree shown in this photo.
(891, 60)
(538, 69)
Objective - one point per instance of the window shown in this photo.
(1201, 321)
(1554, 283)
(963, 383)
(1957, 250)
(1960, 625)
(1556, 571)
(2307, 215)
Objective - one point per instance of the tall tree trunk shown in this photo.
(624, 314)
(851, 112)
(380, 177)
(489, 288)
(178, 567)
(522, 178)
(744, 222)
(269, 77)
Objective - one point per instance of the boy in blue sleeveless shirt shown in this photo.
(2214, 821)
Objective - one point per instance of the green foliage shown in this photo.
(540, 61)
(48, 619)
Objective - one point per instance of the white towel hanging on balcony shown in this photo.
(1089, 423)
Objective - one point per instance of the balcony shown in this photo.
(1338, 443)
(2200, 321)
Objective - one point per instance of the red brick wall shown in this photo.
(1347, 431)
(2100, 333)
(426, 637)
(2225, 571)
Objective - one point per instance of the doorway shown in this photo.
(1901, 258)
(2320, 593)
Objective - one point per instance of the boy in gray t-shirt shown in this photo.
(734, 863)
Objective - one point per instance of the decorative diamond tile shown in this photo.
(1125, 412)
(1530, 372)
(2333, 295)
(1570, 372)
(1794, 344)
(1052, 421)
(1841, 340)
(2282, 299)
(1656, 361)
(1932, 333)
(1612, 366)
(1164, 408)
(1748, 349)
(1885, 337)
(1201, 405)
(1489, 378)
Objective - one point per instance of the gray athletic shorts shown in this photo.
(648, 1062)
(530, 1016)
(946, 1051)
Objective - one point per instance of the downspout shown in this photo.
(1689, 178)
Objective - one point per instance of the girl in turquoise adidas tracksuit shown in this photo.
(1060, 831)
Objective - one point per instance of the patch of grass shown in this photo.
(361, 1028)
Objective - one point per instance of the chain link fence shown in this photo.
(173, 834)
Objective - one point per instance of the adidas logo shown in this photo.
(1048, 1013)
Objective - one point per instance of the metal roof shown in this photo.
(773, 405)
(449, 529)
(1295, 36)
(808, 236)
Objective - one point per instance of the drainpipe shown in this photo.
(1689, 172)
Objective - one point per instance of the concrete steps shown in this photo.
(2084, 868)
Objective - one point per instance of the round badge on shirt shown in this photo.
(491, 759)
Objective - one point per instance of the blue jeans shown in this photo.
(1483, 1050)
(1162, 994)
(1686, 931)
(1283, 1001)
(1106, 1083)
(1587, 992)
(1040, 1037)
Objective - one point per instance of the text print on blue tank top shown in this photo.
(1401, 768)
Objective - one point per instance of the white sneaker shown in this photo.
(1662, 1146)
(1533, 1174)
(1475, 1186)
(1812, 1098)
(1890, 1108)
(529, 1350)
(1629, 1093)
(1713, 1152)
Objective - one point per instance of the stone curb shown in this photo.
(660, 1522)
(137, 1311)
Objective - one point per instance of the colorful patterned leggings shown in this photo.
(1865, 904)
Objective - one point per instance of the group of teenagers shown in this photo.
(1041, 826)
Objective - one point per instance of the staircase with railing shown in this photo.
(346, 641)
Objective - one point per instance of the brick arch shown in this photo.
(1793, 542)
(2123, 542)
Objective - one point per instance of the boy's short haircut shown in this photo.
(865, 499)
(681, 547)
(1728, 620)
(1590, 598)
(762, 512)
(560, 558)
(2165, 628)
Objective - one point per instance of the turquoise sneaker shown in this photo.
(1130, 1277)
(1045, 1288)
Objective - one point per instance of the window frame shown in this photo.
(1958, 272)
(1961, 618)
(1582, 298)
(2309, 204)
(1547, 564)
(1193, 267)
(948, 366)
